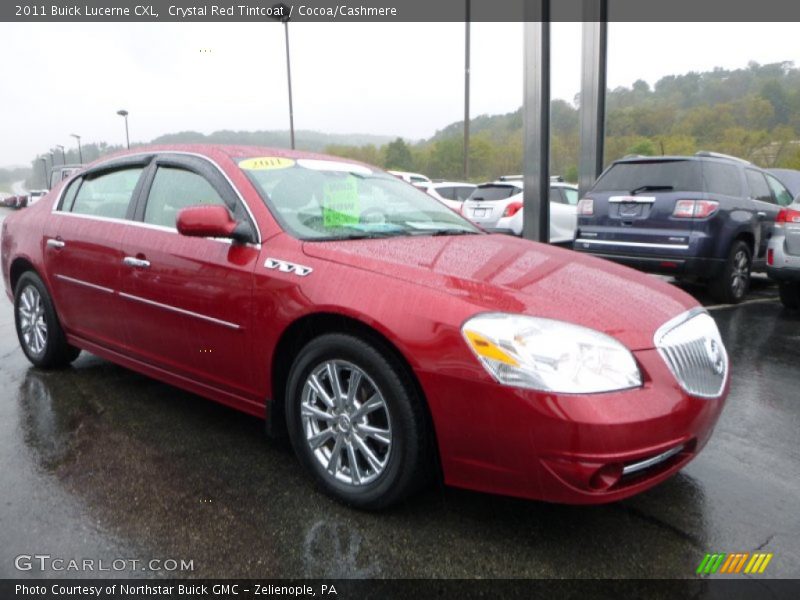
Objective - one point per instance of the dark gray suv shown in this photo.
(706, 217)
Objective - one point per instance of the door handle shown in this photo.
(761, 214)
(139, 263)
(55, 243)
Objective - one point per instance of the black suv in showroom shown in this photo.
(706, 217)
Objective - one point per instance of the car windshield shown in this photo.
(325, 200)
(652, 175)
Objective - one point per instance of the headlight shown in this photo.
(548, 355)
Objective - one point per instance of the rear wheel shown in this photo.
(790, 294)
(734, 281)
(356, 422)
(38, 329)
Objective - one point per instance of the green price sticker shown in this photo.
(340, 203)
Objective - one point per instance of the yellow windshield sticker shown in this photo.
(340, 202)
(266, 163)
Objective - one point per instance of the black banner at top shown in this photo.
(399, 11)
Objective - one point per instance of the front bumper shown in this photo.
(567, 448)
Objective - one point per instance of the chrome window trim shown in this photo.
(156, 154)
(93, 286)
(633, 244)
(145, 226)
(181, 311)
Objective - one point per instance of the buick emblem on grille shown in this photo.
(715, 356)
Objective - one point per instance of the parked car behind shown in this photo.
(450, 193)
(790, 178)
(17, 201)
(783, 255)
(497, 207)
(411, 177)
(35, 195)
(706, 217)
(391, 337)
(60, 172)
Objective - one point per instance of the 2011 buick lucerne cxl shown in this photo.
(391, 338)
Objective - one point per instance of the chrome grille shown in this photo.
(691, 346)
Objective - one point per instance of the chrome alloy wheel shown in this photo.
(346, 422)
(740, 274)
(32, 321)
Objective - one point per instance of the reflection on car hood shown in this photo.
(502, 273)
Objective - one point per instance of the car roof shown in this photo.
(215, 151)
(700, 157)
(451, 184)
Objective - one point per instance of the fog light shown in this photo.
(606, 477)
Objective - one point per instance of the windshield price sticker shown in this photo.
(266, 163)
(341, 205)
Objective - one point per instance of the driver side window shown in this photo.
(174, 189)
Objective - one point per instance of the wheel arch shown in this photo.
(20, 265)
(306, 328)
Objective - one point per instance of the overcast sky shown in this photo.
(397, 79)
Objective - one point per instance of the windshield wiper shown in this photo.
(438, 232)
(652, 188)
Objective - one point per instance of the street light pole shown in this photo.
(80, 152)
(63, 156)
(466, 92)
(124, 114)
(44, 167)
(289, 79)
(280, 12)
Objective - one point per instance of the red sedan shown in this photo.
(393, 339)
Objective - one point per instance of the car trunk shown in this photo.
(634, 203)
(487, 203)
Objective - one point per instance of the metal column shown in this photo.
(536, 122)
(593, 93)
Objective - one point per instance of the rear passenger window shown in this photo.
(722, 179)
(174, 189)
(571, 195)
(106, 195)
(759, 190)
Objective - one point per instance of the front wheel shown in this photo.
(38, 329)
(356, 422)
(790, 294)
(734, 281)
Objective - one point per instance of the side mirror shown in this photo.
(212, 221)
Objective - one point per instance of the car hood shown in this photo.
(505, 274)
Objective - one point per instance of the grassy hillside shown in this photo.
(753, 113)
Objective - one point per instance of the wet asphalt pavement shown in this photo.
(99, 462)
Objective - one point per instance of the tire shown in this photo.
(734, 281)
(399, 439)
(790, 294)
(38, 329)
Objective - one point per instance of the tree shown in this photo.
(398, 156)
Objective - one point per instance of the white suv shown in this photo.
(450, 193)
(497, 207)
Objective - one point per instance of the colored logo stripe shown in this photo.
(733, 563)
